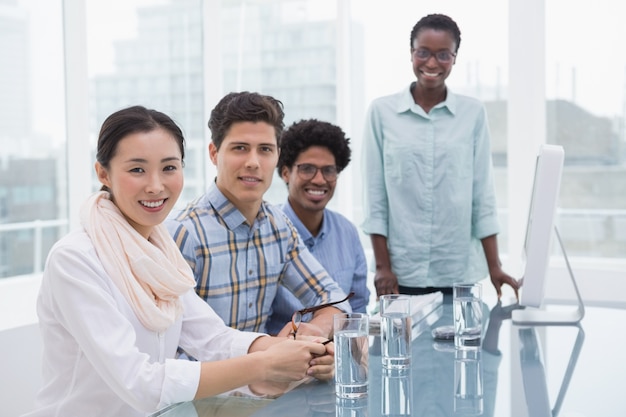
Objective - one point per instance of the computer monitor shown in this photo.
(540, 228)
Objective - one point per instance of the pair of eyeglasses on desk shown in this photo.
(296, 319)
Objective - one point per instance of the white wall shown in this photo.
(18, 297)
(20, 369)
(20, 345)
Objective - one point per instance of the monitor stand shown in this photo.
(537, 316)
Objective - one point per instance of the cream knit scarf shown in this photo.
(152, 274)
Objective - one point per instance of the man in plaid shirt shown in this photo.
(239, 247)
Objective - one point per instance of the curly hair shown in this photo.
(438, 22)
(301, 135)
(245, 107)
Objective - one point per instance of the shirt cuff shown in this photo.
(181, 381)
(486, 228)
(375, 227)
(241, 345)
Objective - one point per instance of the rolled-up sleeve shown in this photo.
(375, 191)
(484, 207)
(307, 279)
(181, 381)
(205, 336)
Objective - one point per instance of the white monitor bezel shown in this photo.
(540, 223)
(537, 246)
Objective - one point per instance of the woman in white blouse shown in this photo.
(117, 298)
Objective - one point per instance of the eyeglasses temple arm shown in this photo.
(313, 309)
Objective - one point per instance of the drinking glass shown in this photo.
(351, 336)
(395, 330)
(468, 315)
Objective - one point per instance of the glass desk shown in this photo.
(570, 371)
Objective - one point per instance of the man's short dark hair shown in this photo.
(438, 22)
(301, 135)
(245, 107)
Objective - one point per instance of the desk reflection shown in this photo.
(534, 374)
(315, 399)
(442, 379)
(396, 394)
(468, 382)
(429, 388)
(352, 407)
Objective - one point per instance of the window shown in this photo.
(323, 58)
(151, 54)
(33, 205)
(586, 107)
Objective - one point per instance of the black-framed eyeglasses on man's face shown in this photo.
(308, 171)
(443, 57)
(296, 319)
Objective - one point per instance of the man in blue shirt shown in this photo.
(430, 201)
(239, 247)
(312, 154)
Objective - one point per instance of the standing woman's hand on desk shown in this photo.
(385, 281)
(499, 278)
(497, 275)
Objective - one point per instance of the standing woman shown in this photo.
(430, 203)
(117, 298)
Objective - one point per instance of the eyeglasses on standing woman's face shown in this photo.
(309, 171)
(443, 57)
(296, 319)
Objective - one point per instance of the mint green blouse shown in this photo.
(429, 187)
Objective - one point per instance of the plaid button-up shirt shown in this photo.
(238, 266)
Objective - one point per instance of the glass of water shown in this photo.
(395, 330)
(468, 315)
(351, 336)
